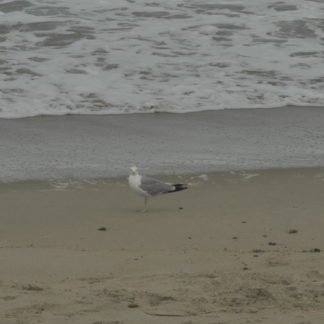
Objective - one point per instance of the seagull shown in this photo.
(148, 187)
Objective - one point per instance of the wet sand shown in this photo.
(236, 247)
(106, 146)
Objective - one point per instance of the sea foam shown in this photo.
(124, 56)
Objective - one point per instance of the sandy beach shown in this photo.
(222, 98)
(236, 247)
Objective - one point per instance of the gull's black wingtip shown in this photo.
(179, 187)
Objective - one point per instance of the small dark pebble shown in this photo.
(258, 251)
(32, 287)
(234, 237)
(245, 268)
(315, 250)
(8, 297)
(243, 222)
(102, 229)
(272, 243)
(292, 231)
(189, 237)
(133, 305)
(264, 235)
(180, 208)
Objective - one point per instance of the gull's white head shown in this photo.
(134, 170)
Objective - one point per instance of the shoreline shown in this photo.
(103, 146)
(320, 106)
(59, 183)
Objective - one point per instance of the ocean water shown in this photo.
(123, 56)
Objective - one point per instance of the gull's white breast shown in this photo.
(135, 182)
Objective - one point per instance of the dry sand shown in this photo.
(240, 247)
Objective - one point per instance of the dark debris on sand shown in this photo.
(315, 250)
(32, 287)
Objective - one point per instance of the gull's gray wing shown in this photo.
(155, 187)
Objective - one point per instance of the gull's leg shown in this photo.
(145, 205)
